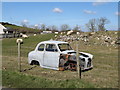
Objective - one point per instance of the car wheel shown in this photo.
(34, 62)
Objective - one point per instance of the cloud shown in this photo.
(25, 21)
(98, 3)
(101, 2)
(36, 25)
(89, 12)
(117, 13)
(57, 10)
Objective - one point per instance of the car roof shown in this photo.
(53, 42)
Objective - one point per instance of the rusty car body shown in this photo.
(58, 55)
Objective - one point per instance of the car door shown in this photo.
(40, 53)
(51, 56)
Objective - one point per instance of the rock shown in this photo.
(113, 42)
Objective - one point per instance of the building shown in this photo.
(46, 32)
(2, 29)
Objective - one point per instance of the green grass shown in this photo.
(9, 45)
(21, 80)
(103, 75)
(23, 29)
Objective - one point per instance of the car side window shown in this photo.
(51, 48)
(41, 47)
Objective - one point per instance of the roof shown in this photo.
(2, 27)
(53, 42)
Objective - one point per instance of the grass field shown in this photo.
(103, 75)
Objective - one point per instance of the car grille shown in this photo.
(82, 62)
(72, 57)
(89, 62)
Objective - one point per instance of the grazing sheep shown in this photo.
(55, 36)
(34, 34)
(24, 35)
(61, 33)
(69, 32)
(77, 33)
(116, 32)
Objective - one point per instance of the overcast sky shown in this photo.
(58, 13)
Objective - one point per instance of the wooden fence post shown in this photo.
(19, 42)
(78, 61)
(19, 59)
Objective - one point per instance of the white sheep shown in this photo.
(77, 33)
(34, 34)
(61, 33)
(116, 32)
(55, 36)
(69, 32)
(56, 32)
(24, 35)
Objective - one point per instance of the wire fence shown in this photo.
(105, 63)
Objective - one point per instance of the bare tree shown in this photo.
(43, 27)
(24, 23)
(77, 28)
(64, 27)
(91, 25)
(54, 27)
(101, 23)
(36, 26)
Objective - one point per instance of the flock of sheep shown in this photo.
(91, 38)
(100, 39)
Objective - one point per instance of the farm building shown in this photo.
(8, 32)
(2, 29)
(46, 32)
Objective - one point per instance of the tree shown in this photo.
(91, 25)
(24, 23)
(101, 23)
(77, 28)
(36, 26)
(64, 27)
(53, 27)
(43, 27)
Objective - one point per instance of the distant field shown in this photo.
(103, 75)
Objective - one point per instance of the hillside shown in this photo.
(20, 29)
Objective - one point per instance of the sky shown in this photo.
(58, 13)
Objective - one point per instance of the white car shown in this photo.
(58, 55)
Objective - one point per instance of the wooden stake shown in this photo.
(19, 60)
(78, 61)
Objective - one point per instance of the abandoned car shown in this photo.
(58, 55)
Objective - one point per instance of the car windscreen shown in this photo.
(64, 47)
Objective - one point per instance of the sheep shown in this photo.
(69, 32)
(24, 35)
(116, 32)
(55, 36)
(61, 33)
(34, 34)
(56, 32)
(77, 33)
